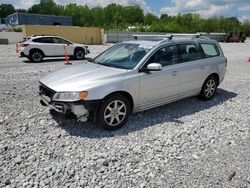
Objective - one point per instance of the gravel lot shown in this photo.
(190, 143)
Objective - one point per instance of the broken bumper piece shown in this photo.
(66, 108)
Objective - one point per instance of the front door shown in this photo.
(161, 86)
(59, 44)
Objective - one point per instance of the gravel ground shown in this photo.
(190, 143)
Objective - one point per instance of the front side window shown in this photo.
(210, 50)
(165, 56)
(188, 52)
(123, 55)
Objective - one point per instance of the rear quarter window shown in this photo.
(210, 50)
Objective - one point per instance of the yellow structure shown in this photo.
(83, 35)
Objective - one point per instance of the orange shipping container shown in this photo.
(82, 35)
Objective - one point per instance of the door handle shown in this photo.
(174, 73)
(202, 67)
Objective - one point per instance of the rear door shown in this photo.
(46, 44)
(214, 57)
(193, 68)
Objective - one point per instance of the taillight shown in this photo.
(225, 61)
(24, 44)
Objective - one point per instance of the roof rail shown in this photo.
(43, 35)
(152, 37)
(167, 36)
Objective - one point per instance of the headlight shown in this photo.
(70, 96)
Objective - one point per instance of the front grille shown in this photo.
(43, 90)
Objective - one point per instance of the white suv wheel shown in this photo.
(36, 56)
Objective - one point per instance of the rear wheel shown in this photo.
(209, 88)
(36, 56)
(113, 112)
(79, 54)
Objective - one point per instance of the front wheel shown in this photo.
(79, 54)
(209, 88)
(113, 112)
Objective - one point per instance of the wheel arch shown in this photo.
(125, 94)
(79, 48)
(216, 75)
(36, 49)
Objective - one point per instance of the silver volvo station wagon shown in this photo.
(133, 76)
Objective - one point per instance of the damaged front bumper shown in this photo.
(79, 109)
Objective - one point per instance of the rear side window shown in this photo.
(43, 40)
(210, 50)
(60, 41)
(188, 52)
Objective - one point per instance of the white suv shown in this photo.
(38, 47)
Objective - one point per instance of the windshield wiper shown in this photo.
(92, 60)
(107, 64)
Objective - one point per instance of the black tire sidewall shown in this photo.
(77, 50)
(31, 54)
(202, 94)
(100, 112)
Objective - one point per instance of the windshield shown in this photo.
(123, 55)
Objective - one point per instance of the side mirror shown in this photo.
(154, 67)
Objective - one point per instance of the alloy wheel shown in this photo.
(115, 112)
(36, 56)
(210, 88)
(79, 54)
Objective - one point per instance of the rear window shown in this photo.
(210, 50)
(43, 40)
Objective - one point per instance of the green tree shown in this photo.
(21, 10)
(44, 7)
(149, 19)
(74, 11)
(132, 15)
(97, 16)
(6, 9)
(120, 17)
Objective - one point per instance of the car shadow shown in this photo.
(168, 113)
(56, 60)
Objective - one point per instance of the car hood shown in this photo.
(81, 77)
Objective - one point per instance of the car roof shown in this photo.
(43, 36)
(157, 41)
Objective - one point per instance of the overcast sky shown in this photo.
(206, 8)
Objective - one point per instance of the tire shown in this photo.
(209, 88)
(113, 112)
(36, 56)
(79, 54)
